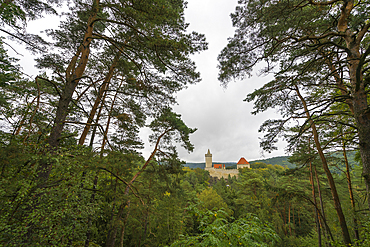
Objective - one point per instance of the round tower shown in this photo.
(208, 159)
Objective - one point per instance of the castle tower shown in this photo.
(208, 160)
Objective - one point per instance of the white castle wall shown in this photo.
(221, 173)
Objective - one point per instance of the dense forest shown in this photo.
(71, 171)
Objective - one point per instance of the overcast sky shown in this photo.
(224, 122)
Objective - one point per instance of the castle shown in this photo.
(219, 170)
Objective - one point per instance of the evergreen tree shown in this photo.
(324, 41)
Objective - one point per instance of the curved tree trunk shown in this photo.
(73, 76)
(337, 204)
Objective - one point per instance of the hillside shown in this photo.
(280, 160)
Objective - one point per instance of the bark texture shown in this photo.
(74, 72)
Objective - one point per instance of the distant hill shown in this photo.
(281, 160)
(336, 163)
(195, 165)
(203, 164)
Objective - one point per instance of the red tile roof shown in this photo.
(243, 161)
(218, 166)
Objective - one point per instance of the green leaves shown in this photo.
(210, 200)
(42, 212)
(9, 73)
(11, 13)
(217, 231)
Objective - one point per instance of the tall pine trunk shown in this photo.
(350, 191)
(74, 72)
(359, 96)
(105, 135)
(334, 192)
(329, 236)
(315, 207)
(362, 116)
(98, 99)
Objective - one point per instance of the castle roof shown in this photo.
(217, 166)
(242, 161)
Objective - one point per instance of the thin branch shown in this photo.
(123, 181)
(23, 40)
(52, 83)
(323, 3)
